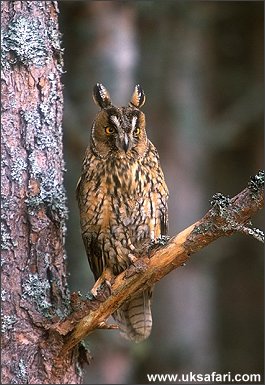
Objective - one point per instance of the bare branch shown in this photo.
(224, 218)
(253, 232)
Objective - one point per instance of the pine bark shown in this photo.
(34, 287)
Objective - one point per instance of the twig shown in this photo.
(253, 232)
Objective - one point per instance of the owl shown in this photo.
(122, 198)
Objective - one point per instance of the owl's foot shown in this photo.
(132, 258)
(138, 265)
(103, 284)
(163, 240)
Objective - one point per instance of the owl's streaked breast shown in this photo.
(121, 202)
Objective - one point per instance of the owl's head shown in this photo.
(119, 131)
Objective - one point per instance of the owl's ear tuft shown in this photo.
(101, 96)
(138, 97)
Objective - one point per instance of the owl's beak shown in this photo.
(126, 143)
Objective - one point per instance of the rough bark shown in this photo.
(34, 287)
(226, 217)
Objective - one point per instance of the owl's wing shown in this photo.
(160, 193)
(94, 255)
(93, 250)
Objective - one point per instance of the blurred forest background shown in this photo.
(201, 66)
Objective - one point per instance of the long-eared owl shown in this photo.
(122, 197)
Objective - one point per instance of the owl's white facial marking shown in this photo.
(115, 120)
(121, 122)
(134, 120)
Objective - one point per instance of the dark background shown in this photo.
(201, 66)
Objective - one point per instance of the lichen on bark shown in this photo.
(34, 211)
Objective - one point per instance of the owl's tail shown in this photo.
(134, 317)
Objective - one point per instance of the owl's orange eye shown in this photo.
(109, 130)
(137, 131)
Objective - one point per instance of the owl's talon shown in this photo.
(137, 263)
(94, 292)
(163, 240)
(138, 266)
(101, 292)
(132, 258)
(102, 284)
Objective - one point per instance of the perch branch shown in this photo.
(224, 218)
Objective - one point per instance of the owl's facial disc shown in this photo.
(124, 132)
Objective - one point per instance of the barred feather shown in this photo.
(135, 318)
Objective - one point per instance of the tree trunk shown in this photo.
(34, 287)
